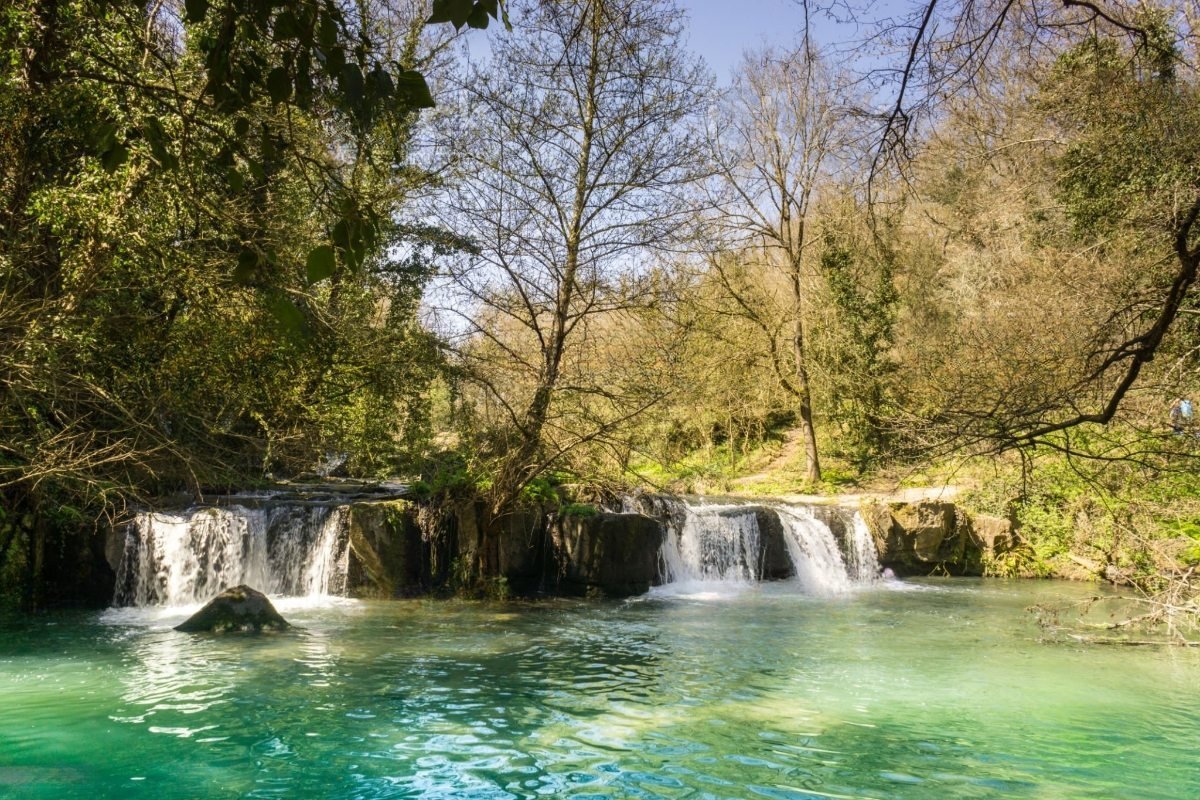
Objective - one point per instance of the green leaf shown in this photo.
(335, 61)
(153, 130)
(237, 181)
(286, 26)
(478, 18)
(104, 137)
(289, 317)
(327, 32)
(195, 10)
(303, 81)
(350, 82)
(379, 83)
(241, 126)
(279, 85)
(456, 12)
(156, 136)
(321, 263)
(246, 267)
(412, 90)
(117, 155)
(341, 234)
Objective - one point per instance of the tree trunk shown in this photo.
(812, 464)
(520, 465)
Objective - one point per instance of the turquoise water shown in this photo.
(939, 689)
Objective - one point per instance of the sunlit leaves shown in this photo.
(307, 51)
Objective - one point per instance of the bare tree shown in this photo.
(575, 167)
(777, 136)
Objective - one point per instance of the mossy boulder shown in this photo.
(238, 609)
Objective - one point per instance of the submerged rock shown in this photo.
(238, 609)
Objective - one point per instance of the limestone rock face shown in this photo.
(238, 609)
(611, 554)
(993, 536)
(930, 536)
(386, 551)
(915, 537)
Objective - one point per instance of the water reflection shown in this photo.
(879, 694)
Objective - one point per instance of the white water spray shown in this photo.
(715, 544)
(189, 557)
(717, 549)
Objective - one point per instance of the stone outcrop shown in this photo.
(931, 536)
(387, 556)
(614, 555)
(521, 550)
(989, 537)
(238, 609)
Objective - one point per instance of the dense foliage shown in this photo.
(233, 248)
(205, 273)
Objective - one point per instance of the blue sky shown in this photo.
(722, 29)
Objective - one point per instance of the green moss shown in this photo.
(579, 510)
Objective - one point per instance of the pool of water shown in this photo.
(924, 690)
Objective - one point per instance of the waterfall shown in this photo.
(863, 560)
(714, 543)
(823, 549)
(188, 557)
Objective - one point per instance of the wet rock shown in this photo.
(519, 549)
(238, 609)
(615, 555)
(918, 538)
(386, 557)
(775, 561)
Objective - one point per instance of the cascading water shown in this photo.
(862, 560)
(720, 547)
(714, 544)
(189, 557)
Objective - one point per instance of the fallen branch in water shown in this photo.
(1170, 603)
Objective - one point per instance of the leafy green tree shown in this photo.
(205, 272)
